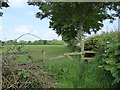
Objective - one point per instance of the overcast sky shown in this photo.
(19, 19)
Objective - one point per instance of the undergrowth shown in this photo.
(101, 72)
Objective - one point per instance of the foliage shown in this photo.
(36, 42)
(76, 74)
(108, 52)
(110, 61)
(68, 19)
(16, 75)
(93, 77)
(65, 71)
(98, 42)
(3, 3)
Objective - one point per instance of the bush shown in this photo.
(28, 75)
(108, 58)
(110, 61)
(98, 42)
(93, 77)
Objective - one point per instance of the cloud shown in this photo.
(17, 3)
(49, 35)
(44, 35)
(22, 29)
(1, 30)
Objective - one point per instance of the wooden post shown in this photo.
(80, 37)
(43, 51)
(44, 54)
(82, 45)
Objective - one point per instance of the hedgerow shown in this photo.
(108, 54)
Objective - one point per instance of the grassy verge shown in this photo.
(68, 73)
(65, 71)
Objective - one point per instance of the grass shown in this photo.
(50, 51)
(68, 73)
(65, 71)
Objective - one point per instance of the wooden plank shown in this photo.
(89, 51)
(73, 53)
(19, 53)
(88, 58)
(79, 53)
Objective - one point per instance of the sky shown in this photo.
(19, 19)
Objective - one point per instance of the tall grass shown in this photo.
(73, 73)
(65, 71)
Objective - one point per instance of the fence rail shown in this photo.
(25, 52)
(79, 53)
(53, 58)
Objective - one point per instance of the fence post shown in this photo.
(80, 37)
(43, 51)
(82, 45)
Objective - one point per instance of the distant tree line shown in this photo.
(36, 42)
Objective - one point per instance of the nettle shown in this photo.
(111, 61)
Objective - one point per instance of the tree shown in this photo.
(40, 42)
(22, 42)
(69, 19)
(45, 42)
(3, 3)
(29, 42)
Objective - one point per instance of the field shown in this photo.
(66, 72)
(47, 66)
(73, 45)
(36, 51)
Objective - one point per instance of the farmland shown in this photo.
(36, 51)
(73, 47)
(67, 72)
(66, 67)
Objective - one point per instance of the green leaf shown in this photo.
(108, 67)
(111, 62)
(111, 68)
(117, 53)
(118, 65)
